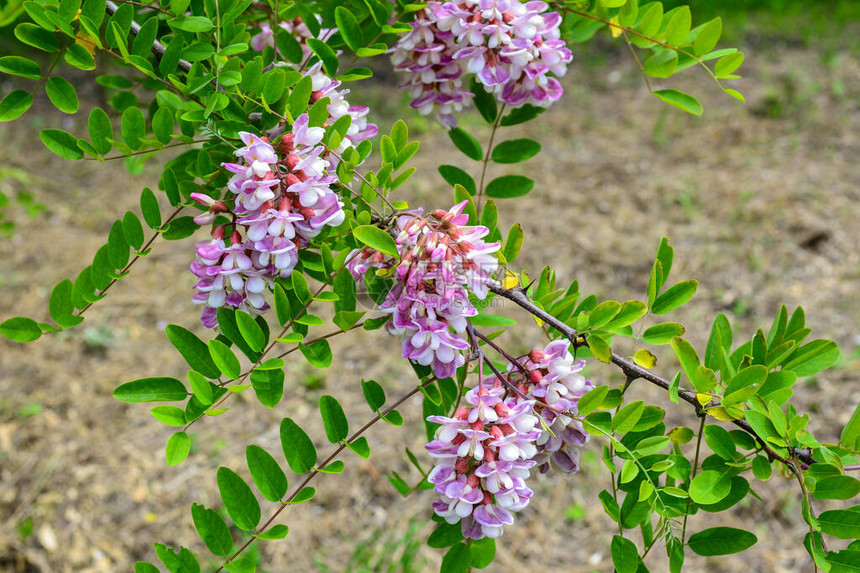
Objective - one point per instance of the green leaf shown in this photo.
(298, 448)
(62, 95)
(508, 186)
(224, 358)
(274, 533)
(600, 348)
(360, 447)
(172, 55)
(239, 500)
(61, 143)
(483, 552)
(242, 564)
(212, 529)
(36, 36)
(675, 296)
(132, 230)
(466, 143)
(374, 395)
(251, 331)
(117, 246)
(458, 559)
(149, 208)
(626, 418)
(720, 442)
(349, 28)
(144, 567)
(157, 389)
(484, 101)
(456, 176)
(268, 385)
(133, 127)
(60, 305)
(662, 333)
(728, 64)
(841, 523)
(812, 357)
(678, 26)
(851, 431)
(182, 562)
(20, 329)
(445, 535)
(721, 541)
(22, 67)
(169, 415)
(78, 56)
(376, 238)
(191, 23)
(201, 387)
(318, 354)
(514, 242)
(688, 358)
(625, 556)
(326, 55)
(194, 350)
(334, 420)
(177, 449)
(709, 35)
(288, 46)
(592, 400)
(266, 473)
(680, 100)
(836, 487)
(521, 115)
(15, 104)
(662, 64)
(709, 487)
(515, 150)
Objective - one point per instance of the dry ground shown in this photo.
(760, 203)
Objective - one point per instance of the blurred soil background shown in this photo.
(760, 202)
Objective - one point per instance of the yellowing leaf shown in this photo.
(720, 414)
(614, 28)
(85, 40)
(703, 398)
(644, 358)
(510, 281)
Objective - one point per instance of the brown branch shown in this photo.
(633, 371)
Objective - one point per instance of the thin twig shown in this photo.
(634, 371)
(315, 471)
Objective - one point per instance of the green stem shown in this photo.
(692, 475)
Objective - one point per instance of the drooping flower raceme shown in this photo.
(281, 198)
(513, 48)
(441, 261)
(485, 452)
(483, 459)
(556, 380)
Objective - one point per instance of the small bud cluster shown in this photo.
(484, 454)
(512, 47)
(441, 261)
(282, 197)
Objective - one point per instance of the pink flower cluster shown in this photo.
(282, 197)
(512, 47)
(484, 454)
(483, 459)
(441, 261)
(325, 87)
(555, 380)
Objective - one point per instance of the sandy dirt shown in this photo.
(760, 202)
